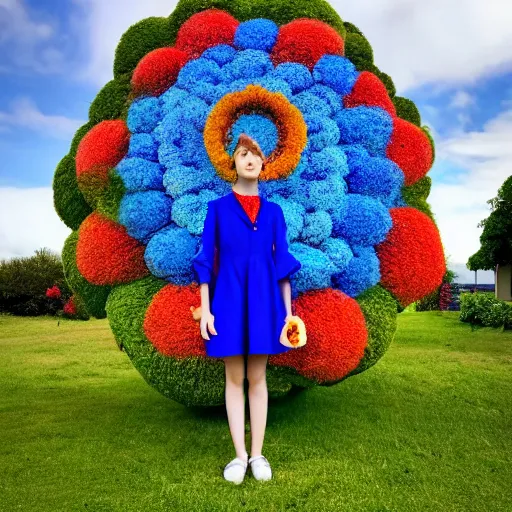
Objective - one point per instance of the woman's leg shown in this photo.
(235, 402)
(258, 399)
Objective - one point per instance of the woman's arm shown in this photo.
(205, 297)
(286, 292)
(203, 263)
(286, 263)
(204, 259)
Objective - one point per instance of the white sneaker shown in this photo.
(260, 468)
(235, 470)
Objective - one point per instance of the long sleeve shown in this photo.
(203, 261)
(286, 264)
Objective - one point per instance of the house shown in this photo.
(503, 280)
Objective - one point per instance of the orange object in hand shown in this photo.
(293, 333)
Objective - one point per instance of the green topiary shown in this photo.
(68, 201)
(416, 195)
(150, 308)
(406, 109)
(352, 29)
(190, 381)
(388, 82)
(111, 102)
(81, 310)
(109, 201)
(275, 10)
(79, 135)
(138, 40)
(379, 308)
(358, 50)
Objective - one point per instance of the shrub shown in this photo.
(483, 308)
(508, 319)
(75, 309)
(25, 281)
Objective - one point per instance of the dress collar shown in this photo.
(240, 209)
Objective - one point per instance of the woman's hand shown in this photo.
(288, 318)
(196, 313)
(206, 324)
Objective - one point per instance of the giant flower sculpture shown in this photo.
(347, 162)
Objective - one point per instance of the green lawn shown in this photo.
(426, 429)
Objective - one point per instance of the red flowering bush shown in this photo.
(53, 292)
(69, 308)
(445, 296)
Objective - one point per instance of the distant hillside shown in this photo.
(467, 276)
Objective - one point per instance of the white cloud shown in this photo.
(107, 22)
(462, 99)
(26, 43)
(460, 205)
(28, 221)
(25, 114)
(447, 41)
(17, 25)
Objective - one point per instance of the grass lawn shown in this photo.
(426, 429)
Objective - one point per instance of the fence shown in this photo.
(458, 288)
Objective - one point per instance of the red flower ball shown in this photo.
(369, 90)
(410, 149)
(158, 71)
(102, 147)
(412, 262)
(306, 40)
(204, 30)
(106, 254)
(337, 336)
(169, 324)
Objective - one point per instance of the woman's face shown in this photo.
(248, 164)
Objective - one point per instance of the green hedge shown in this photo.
(483, 308)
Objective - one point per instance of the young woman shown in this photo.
(251, 299)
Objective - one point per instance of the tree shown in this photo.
(32, 275)
(24, 281)
(496, 238)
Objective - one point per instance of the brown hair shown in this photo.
(249, 143)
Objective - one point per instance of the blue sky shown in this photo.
(451, 57)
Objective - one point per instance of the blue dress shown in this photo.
(245, 297)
